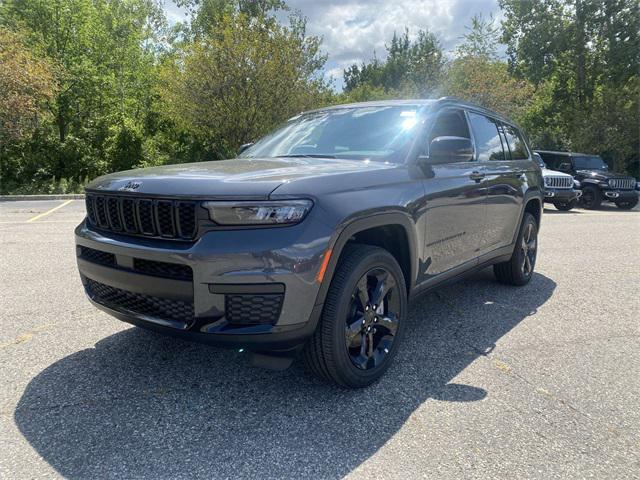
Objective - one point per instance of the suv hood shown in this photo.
(253, 178)
(554, 173)
(602, 175)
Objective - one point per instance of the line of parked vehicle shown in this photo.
(572, 179)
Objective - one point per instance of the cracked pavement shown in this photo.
(491, 382)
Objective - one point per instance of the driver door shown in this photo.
(456, 202)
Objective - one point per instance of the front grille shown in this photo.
(253, 309)
(558, 182)
(622, 183)
(169, 219)
(140, 304)
(96, 256)
(163, 269)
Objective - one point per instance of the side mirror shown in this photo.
(244, 146)
(450, 150)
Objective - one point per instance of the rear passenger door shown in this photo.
(505, 181)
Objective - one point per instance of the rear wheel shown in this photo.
(627, 204)
(565, 207)
(519, 269)
(591, 197)
(362, 321)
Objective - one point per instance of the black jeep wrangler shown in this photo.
(315, 238)
(597, 182)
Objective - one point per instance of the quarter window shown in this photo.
(485, 132)
(516, 144)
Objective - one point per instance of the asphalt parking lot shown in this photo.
(492, 381)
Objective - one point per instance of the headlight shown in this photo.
(546, 181)
(637, 185)
(285, 212)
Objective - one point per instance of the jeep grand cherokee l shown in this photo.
(313, 240)
(596, 181)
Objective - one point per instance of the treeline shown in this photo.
(93, 86)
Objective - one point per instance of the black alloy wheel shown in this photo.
(518, 270)
(529, 248)
(361, 326)
(372, 323)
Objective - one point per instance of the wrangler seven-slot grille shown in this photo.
(558, 182)
(622, 183)
(172, 219)
(141, 304)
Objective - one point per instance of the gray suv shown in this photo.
(312, 242)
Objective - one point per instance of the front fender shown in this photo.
(354, 226)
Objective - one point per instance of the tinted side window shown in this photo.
(516, 144)
(485, 132)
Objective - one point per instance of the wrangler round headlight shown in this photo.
(285, 212)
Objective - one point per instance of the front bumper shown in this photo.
(562, 195)
(265, 263)
(620, 195)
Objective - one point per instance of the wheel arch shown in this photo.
(393, 231)
(533, 203)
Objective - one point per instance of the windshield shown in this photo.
(591, 162)
(381, 133)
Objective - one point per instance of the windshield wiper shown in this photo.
(305, 155)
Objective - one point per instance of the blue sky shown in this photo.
(353, 29)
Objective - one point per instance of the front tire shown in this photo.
(627, 204)
(565, 207)
(519, 269)
(362, 320)
(591, 197)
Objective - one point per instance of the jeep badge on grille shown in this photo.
(131, 186)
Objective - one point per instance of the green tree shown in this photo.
(234, 86)
(206, 15)
(481, 40)
(476, 75)
(411, 68)
(580, 55)
(27, 84)
(104, 52)
(488, 83)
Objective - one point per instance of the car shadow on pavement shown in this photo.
(144, 405)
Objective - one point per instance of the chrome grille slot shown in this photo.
(558, 182)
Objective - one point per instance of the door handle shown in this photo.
(477, 176)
